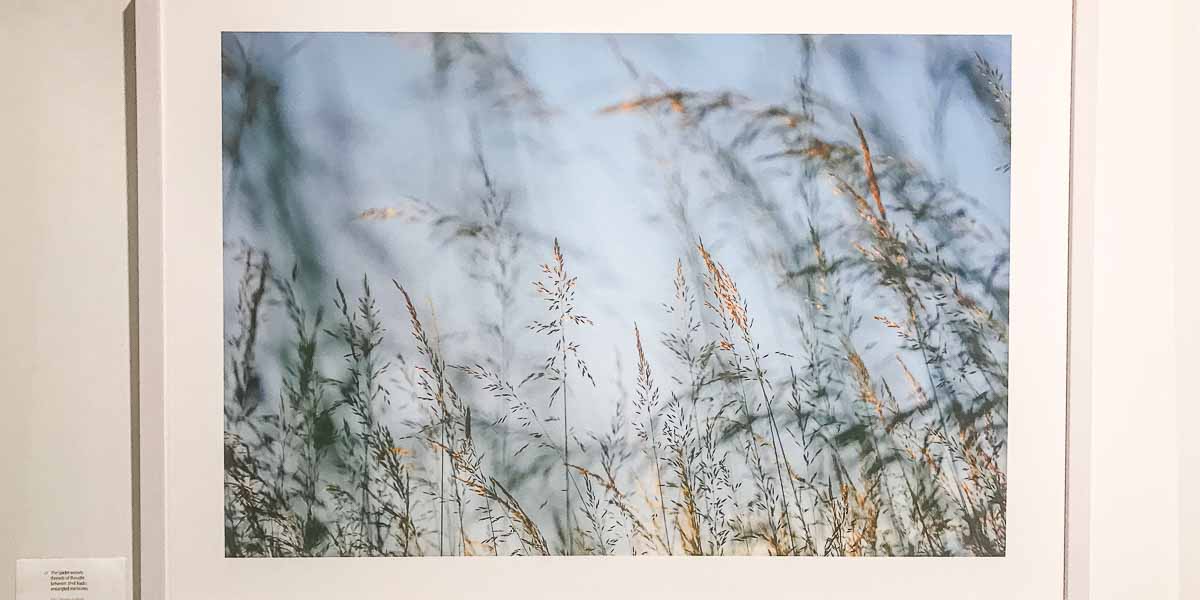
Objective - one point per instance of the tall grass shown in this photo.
(730, 447)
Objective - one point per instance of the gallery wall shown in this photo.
(1186, 22)
(66, 487)
(64, 360)
(1134, 467)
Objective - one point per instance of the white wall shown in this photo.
(1187, 288)
(64, 308)
(64, 360)
(1136, 542)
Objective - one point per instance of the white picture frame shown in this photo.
(180, 553)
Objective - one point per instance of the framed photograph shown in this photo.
(671, 300)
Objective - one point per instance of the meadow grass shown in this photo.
(730, 448)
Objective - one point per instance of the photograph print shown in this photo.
(533, 294)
